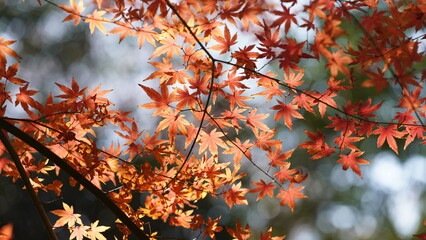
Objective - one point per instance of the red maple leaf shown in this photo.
(286, 111)
(317, 147)
(388, 133)
(352, 161)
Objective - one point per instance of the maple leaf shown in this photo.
(124, 30)
(75, 11)
(71, 94)
(388, 134)
(94, 232)
(248, 14)
(289, 196)
(239, 149)
(285, 17)
(285, 173)
(5, 50)
(235, 195)
(263, 189)
(145, 34)
(225, 42)
(351, 161)
(336, 62)
(79, 232)
(346, 142)
(264, 140)
(286, 111)
(237, 98)
(211, 140)
(95, 21)
(325, 100)
(268, 236)
(24, 97)
(173, 122)
(6, 232)
(293, 80)
(10, 75)
(253, 120)
(161, 101)
(212, 228)
(278, 158)
(67, 216)
(317, 147)
(239, 232)
(168, 47)
(376, 79)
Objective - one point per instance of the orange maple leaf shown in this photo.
(211, 140)
(253, 120)
(235, 195)
(278, 158)
(263, 189)
(239, 232)
(268, 236)
(161, 101)
(75, 11)
(5, 50)
(289, 196)
(168, 47)
(351, 161)
(286, 111)
(225, 42)
(336, 63)
(6, 232)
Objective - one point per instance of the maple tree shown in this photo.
(207, 104)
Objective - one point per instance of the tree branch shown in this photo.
(28, 186)
(5, 125)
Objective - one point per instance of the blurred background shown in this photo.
(388, 203)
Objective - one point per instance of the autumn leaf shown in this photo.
(211, 140)
(263, 189)
(225, 42)
(96, 21)
(161, 101)
(336, 63)
(168, 47)
(293, 80)
(351, 161)
(289, 196)
(6, 50)
(6, 232)
(278, 158)
(253, 120)
(79, 232)
(75, 11)
(286, 111)
(235, 195)
(239, 233)
(67, 216)
(317, 147)
(388, 134)
(285, 19)
(95, 231)
(212, 227)
(268, 236)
